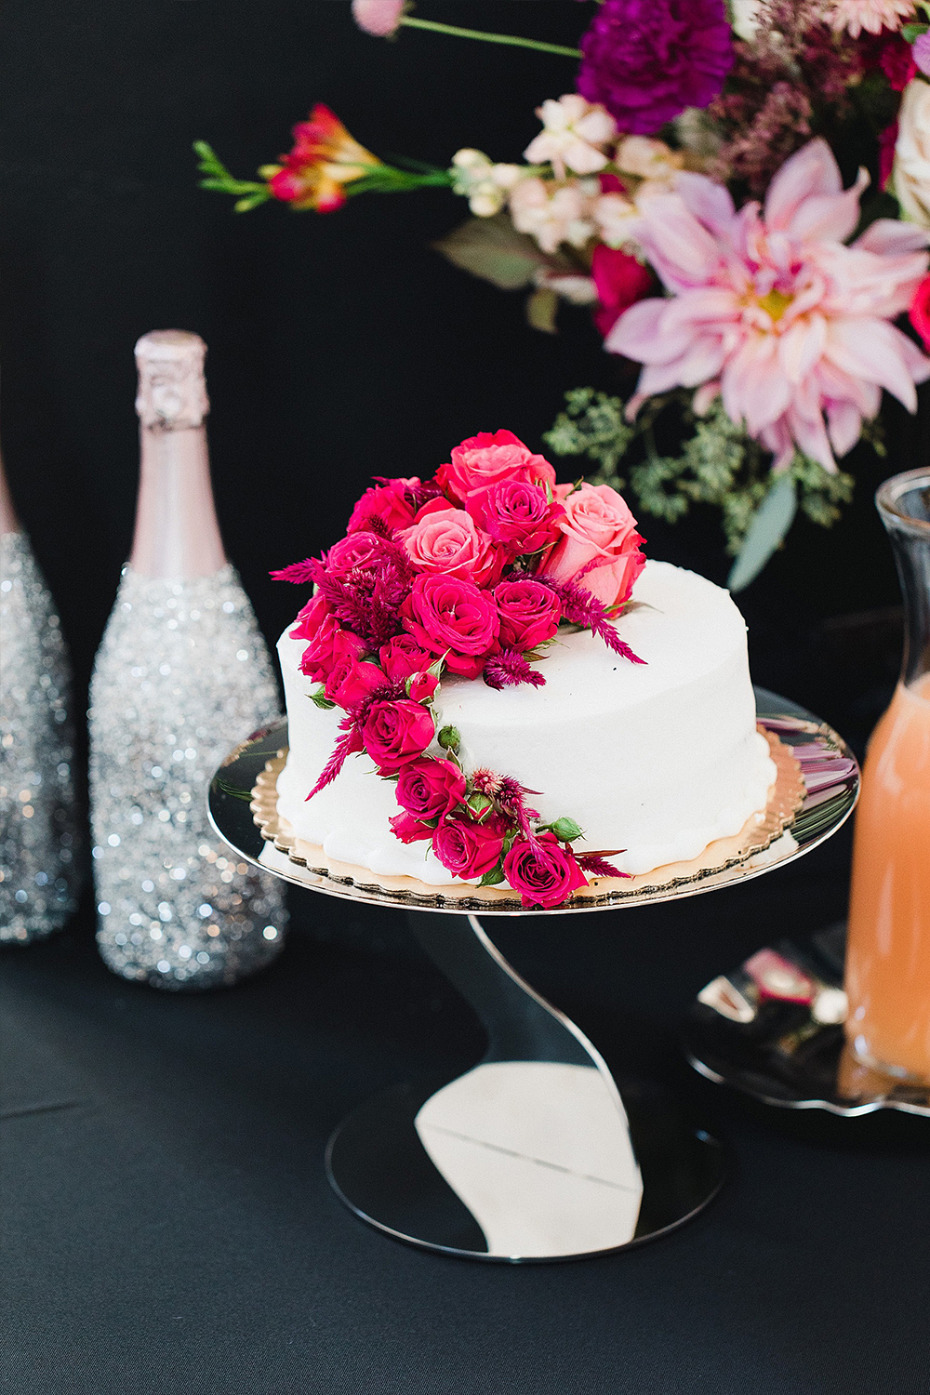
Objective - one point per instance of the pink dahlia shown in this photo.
(646, 60)
(770, 309)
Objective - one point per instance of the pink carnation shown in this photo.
(771, 310)
(489, 457)
(600, 547)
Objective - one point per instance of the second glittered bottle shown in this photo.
(182, 673)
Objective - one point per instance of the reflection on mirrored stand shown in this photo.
(531, 1155)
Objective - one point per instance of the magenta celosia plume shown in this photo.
(769, 308)
(646, 60)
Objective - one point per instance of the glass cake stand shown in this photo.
(531, 1155)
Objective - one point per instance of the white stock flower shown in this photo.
(745, 17)
(473, 177)
(911, 171)
(573, 135)
(648, 158)
(554, 213)
(615, 216)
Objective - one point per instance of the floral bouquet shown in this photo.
(470, 573)
(690, 191)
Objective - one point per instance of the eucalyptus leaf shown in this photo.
(492, 249)
(769, 525)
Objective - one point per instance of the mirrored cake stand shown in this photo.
(531, 1155)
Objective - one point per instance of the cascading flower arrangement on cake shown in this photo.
(470, 574)
(690, 191)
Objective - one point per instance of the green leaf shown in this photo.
(319, 700)
(493, 878)
(541, 309)
(910, 32)
(251, 201)
(493, 249)
(480, 803)
(771, 522)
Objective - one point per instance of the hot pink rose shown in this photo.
(408, 829)
(349, 681)
(360, 550)
(530, 613)
(392, 502)
(396, 733)
(329, 643)
(422, 686)
(402, 656)
(310, 618)
(488, 457)
(546, 874)
(430, 788)
(621, 280)
(467, 848)
(448, 540)
(517, 514)
(599, 547)
(445, 613)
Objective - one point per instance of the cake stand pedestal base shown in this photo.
(531, 1155)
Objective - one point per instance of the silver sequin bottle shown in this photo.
(182, 673)
(39, 866)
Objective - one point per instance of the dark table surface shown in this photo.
(169, 1226)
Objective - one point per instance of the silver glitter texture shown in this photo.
(181, 675)
(39, 844)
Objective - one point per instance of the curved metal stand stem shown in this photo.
(529, 1155)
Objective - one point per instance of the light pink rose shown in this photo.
(449, 541)
(378, 17)
(488, 457)
(599, 547)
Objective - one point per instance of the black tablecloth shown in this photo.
(169, 1226)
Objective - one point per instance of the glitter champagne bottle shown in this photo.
(39, 840)
(182, 673)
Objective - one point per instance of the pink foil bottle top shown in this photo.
(177, 536)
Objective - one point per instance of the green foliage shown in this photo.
(218, 178)
(702, 460)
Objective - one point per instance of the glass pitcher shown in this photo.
(888, 946)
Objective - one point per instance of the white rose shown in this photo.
(911, 171)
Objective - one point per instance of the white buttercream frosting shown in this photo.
(657, 759)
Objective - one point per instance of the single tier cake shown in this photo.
(658, 758)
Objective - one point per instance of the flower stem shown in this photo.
(513, 39)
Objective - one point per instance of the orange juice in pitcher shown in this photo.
(888, 945)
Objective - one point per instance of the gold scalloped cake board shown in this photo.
(759, 832)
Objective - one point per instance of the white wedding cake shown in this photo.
(656, 759)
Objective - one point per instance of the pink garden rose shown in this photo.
(360, 550)
(329, 643)
(407, 828)
(530, 613)
(487, 458)
(350, 681)
(396, 733)
(402, 657)
(430, 788)
(422, 686)
(448, 540)
(546, 874)
(391, 502)
(521, 516)
(467, 848)
(599, 547)
(445, 613)
(310, 618)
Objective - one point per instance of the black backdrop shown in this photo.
(169, 1225)
(340, 346)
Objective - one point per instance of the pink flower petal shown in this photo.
(830, 217)
(870, 349)
(811, 171)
